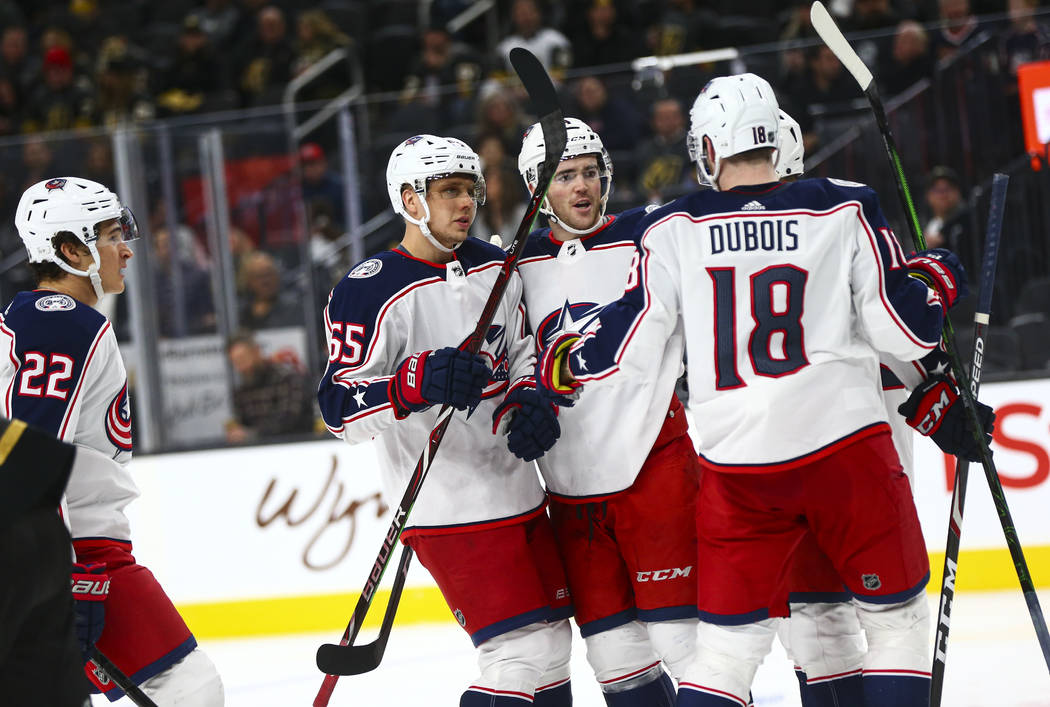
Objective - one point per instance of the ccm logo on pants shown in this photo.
(660, 575)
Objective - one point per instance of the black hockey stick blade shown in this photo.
(355, 660)
(134, 693)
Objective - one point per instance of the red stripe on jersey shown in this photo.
(80, 383)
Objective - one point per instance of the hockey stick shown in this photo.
(332, 659)
(951, 551)
(832, 36)
(134, 693)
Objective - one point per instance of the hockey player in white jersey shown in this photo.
(395, 326)
(64, 373)
(785, 292)
(622, 482)
(823, 634)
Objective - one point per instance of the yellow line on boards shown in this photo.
(979, 570)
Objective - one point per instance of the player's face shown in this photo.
(452, 208)
(575, 193)
(113, 254)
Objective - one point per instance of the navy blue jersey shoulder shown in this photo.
(621, 227)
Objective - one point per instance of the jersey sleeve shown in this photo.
(624, 333)
(363, 350)
(899, 315)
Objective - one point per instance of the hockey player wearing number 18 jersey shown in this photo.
(396, 323)
(786, 293)
(622, 481)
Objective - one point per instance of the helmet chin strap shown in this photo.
(546, 210)
(424, 228)
(91, 273)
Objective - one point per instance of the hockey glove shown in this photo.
(941, 270)
(548, 371)
(531, 422)
(447, 376)
(90, 589)
(934, 409)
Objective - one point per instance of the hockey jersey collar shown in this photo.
(755, 188)
(592, 234)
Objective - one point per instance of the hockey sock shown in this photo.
(690, 695)
(490, 698)
(896, 690)
(557, 696)
(655, 693)
(846, 690)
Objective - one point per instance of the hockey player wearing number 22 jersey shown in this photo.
(786, 293)
(63, 372)
(395, 324)
(622, 481)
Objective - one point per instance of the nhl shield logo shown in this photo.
(367, 269)
(871, 581)
(460, 617)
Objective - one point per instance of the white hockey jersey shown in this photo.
(785, 292)
(391, 306)
(607, 435)
(63, 373)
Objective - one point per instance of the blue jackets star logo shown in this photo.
(573, 316)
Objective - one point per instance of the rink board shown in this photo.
(280, 539)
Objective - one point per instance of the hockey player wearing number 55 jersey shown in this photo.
(786, 293)
(622, 482)
(395, 324)
(63, 372)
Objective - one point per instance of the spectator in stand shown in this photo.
(98, 161)
(267, 304)
(265, 60)
(871, 16)
(38, 161)
(549, 45)
(603, 40)
(959, 25)
(504, 205)
(195, 74)
(611, 117)
(499, 113)
(321, 184)
(15, 62)
(1027, 39)
(270, 399)
(316, 36)
(190, 286)
(218, 19)
(9, 106)
(664, 169)
(121, 81)
(909, 61)
(491, 150)
(58, 103)
(681, 27)
(949, 221)
(440, 65)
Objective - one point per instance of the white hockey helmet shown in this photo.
(737, 114)
(423, 158)
(791, 152)
(69, 205)
(580, 140)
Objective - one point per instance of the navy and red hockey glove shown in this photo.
(530, 420)
(935, 410)
(942, 271)
(447, 376)
(90, 589)
(549, 373)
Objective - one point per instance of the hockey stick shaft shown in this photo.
(134, 693)
(541, 92)
(981, 318)
(833, 38)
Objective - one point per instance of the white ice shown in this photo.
(993, 659)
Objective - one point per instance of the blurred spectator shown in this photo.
(122, 96)
(265, 61)
(38, 161)
(98, 161)
(316, 36)
(611, 117)
(218, 19)
(603, 40)
(441, 65)
(184, 298)
(664, 169)
(794, 26)
(493, 153)
(195, 73)
(58, 103)
(504, 205)
(270, 399)
(500, 114)
(909, 61)
(549, 45)
(241, 248)
(9, 118)
(868, 16)
(321, 184)
(680, 28)
(15, 62)
(1027, 39)
(267, 304)
(958, 26)
(948, 224)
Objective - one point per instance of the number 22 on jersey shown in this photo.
(776, 344)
